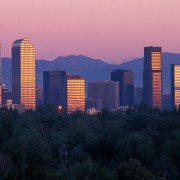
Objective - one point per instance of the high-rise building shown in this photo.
(64, 91)
(23, 73)
(126, 86)
(152, 77)
(52, 85)
(175, 85)
(73, 93)
(108, 91)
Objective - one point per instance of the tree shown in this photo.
(132, 170)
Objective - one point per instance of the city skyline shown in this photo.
(23, 82)
(113, 30)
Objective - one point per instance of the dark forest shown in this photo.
(138, 144)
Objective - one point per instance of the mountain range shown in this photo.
(94, 69)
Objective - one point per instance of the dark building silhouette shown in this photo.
(137, 95)
(23, 74)
(39, 96)
(175, 85)
(126, 86)
(166, 102)
(152, 77)
(6, 95)
(52, 85)
(64, 91)
(93, 103)
(108, 91)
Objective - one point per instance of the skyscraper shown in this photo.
(52, 83)
(63, 90)
(23, 73)
(152, 77)
(175, 85)
(73, 93)
(126, 86)
(108, 91)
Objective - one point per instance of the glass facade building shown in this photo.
(52, 87)
(175, 85)
(23, 74)
(126, 86)
(152, 77)
(73, 93)
(63, 91)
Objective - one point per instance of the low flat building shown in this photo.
(108, 91)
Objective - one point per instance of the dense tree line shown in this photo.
(138, 144)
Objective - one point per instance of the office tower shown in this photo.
(52, 86)
(23, 74)
(126, 86)
(108, 91)
(175, 85)
(73, 93)
(64, 91)
(152, 77)
(137, 95)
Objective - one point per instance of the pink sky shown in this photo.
(112, 30)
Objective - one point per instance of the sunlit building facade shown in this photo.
(175, 85)
(152, 77)
(73, 93)
(64, 91)
(23, 74)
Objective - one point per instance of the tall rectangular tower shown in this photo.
(23, 73)
(175, 85)
(126, 86)
(152, 77)
(73, 93)
(52, 85)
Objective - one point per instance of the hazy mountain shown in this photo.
(93, 69)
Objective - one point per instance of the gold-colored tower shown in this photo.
(23, 73)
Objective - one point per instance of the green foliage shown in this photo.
(140, 143)
(132, 170)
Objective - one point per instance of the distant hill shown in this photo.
(93, 69)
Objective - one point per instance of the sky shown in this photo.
(112, 30)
